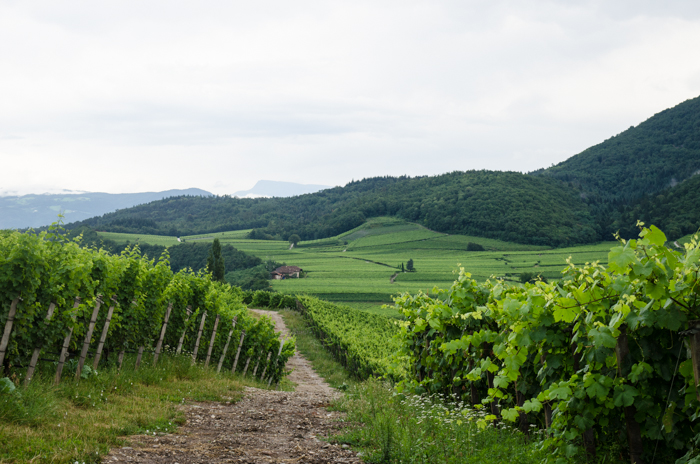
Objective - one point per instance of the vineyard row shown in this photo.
(51, 303)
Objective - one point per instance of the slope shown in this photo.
(655, 155)
(676, 211)
(501, 205)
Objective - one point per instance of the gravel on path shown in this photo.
(266, 426)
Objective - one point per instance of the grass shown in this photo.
(119, 237)
(397, 428)
(309, 346)
(81, 421)
(356, 267)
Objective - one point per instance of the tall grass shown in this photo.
(389, 427)
(397, 428)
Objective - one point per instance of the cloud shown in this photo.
(133, 96)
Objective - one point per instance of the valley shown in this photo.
(356, 268)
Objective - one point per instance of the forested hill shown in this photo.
(676, 211)
(503, 205)
(655, 155)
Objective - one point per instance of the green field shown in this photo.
(356, 267)
(118, 237)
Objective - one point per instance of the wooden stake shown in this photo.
(88, 336)
(159, 345)
(138, 358)
(694, 326)
(199, 337)
(245, 369)
(267, 363)
(182, 338)
(6, 335)
(634, 434)
(66, 344)
(37, 350)
(103, 338)
(211, 342)
(279, 353)
(257, 363)
(240, 345)
(228, 340)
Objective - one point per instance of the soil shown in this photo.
(266, 426)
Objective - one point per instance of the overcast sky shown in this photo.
(130, 96)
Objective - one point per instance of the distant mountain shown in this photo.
(647, 172)
(19, 212)
(272, 188)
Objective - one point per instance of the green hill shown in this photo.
(501, 205)
(638, 174)
(644, 160)
(657, 154)
(676, 211)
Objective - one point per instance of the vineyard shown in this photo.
(605, 360)
(61, 304)
(362, 342)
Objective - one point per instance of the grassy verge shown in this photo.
(400, 428)
(397, 428)
(81, 421)
(309, 346)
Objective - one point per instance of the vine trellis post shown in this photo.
(37, 350)
(228, 340)
(257, 363)
(6, 334)
(279, 353)
(88, 337)
(66, 344)
(184, 331)
(105, 330)
(238, 352)
(211, 342)
(199, 337)
(267, 363)
(247, 363)
(159, 345)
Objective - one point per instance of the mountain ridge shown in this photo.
(38, 210)
(581, 200)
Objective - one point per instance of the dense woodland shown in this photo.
(675, 210)
(616, 177)
(638, 174)
(503, 205)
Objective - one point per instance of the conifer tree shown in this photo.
(215, 262)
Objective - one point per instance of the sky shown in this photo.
(133, 96)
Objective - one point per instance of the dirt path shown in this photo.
(264, 427)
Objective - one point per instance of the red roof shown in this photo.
(288, 270)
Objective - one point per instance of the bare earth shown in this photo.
(264, 427)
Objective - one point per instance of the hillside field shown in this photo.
(356, 267)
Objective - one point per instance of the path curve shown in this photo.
(266, 426)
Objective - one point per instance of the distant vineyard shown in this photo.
(60, 301)
(364, 343)
(606, 359)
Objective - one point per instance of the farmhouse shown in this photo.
(285, 272)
